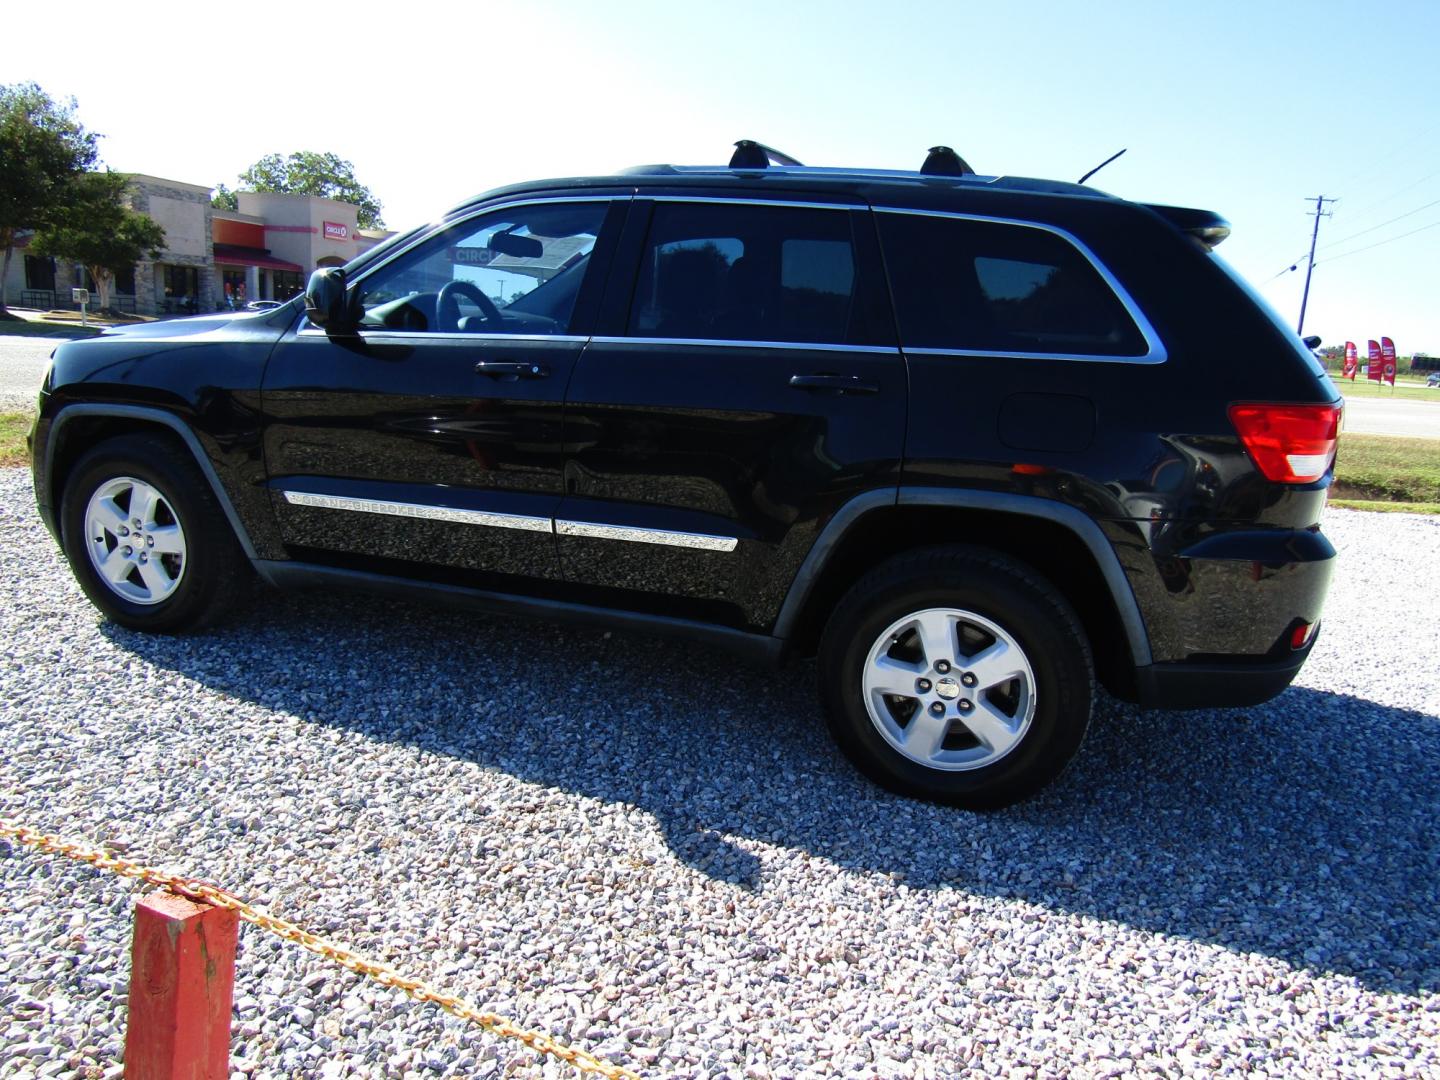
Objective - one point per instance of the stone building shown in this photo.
(182, 280)
(213, 259)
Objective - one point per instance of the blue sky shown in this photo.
(1244, 108)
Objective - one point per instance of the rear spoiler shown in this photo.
(1205, 227)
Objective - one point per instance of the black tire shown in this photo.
(210, 575)
(1052, 698)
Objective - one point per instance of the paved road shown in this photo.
(22, 363)
(1400, 416)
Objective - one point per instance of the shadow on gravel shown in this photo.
(1305, 829)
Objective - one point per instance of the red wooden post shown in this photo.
(182, 982)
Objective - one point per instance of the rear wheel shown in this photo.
(958, 675)
(145, 537)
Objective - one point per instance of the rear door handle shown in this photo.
(843, 384)
(506, 369)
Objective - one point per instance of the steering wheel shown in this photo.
(447, 308)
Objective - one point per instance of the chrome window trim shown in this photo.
(1155, 352)
(421, 336)
(668, 537)
(441, 226)
(733, 343)
(423, 511)
(745, 200)
(1002, 354)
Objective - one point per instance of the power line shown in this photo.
(1380, 164)
(1372, 228)
(1289, 269)
(1379, 243)
(1369, 207)
(1295, 263)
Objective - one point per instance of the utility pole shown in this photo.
(1320, 211)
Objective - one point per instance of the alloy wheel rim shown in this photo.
(949, 689)
(135, 541)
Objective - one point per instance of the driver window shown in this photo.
(514, 271)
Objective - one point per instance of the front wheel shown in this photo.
(958, 675)
(145, 537)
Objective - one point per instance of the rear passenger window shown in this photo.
(994, 287)
(741, 272)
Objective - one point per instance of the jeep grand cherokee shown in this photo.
(972, 441)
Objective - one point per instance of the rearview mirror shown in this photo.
(327, 302)
(519, 247)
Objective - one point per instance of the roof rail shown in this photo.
(750, 154)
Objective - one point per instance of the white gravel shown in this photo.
(635, 845)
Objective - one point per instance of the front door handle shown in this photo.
(842, 384)
(506, 369)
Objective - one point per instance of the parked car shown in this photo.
(1433, 379)
(973, 442)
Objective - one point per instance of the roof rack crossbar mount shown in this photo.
(750, 154)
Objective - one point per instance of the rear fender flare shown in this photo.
(1076, 521)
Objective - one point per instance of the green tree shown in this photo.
(96, 229)
(42, 148)
(308, 173)
(224, 198)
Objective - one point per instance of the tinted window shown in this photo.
(748, 273)
(1000, 288)
(517, 270)
(40, 272)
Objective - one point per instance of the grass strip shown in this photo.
(1386, 507)
(1382, 468)
(13, 429)
(1369, 390)
(25, 328)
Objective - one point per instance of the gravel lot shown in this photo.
(633, 844)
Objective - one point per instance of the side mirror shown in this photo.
(327, 303)
(1312, 342)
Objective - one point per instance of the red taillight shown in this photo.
(1290, 444)
(1300, 636)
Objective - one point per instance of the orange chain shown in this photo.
(381, 973)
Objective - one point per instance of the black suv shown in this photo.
(973, 441)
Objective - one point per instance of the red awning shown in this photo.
(236, 255)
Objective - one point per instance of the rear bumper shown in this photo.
(1211, 685)
(1220, 610)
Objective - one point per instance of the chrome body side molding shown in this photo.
(669, 537)
(524, 522)
(425, 511)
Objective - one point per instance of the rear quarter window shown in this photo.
(1313, 363)
(988, 286)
